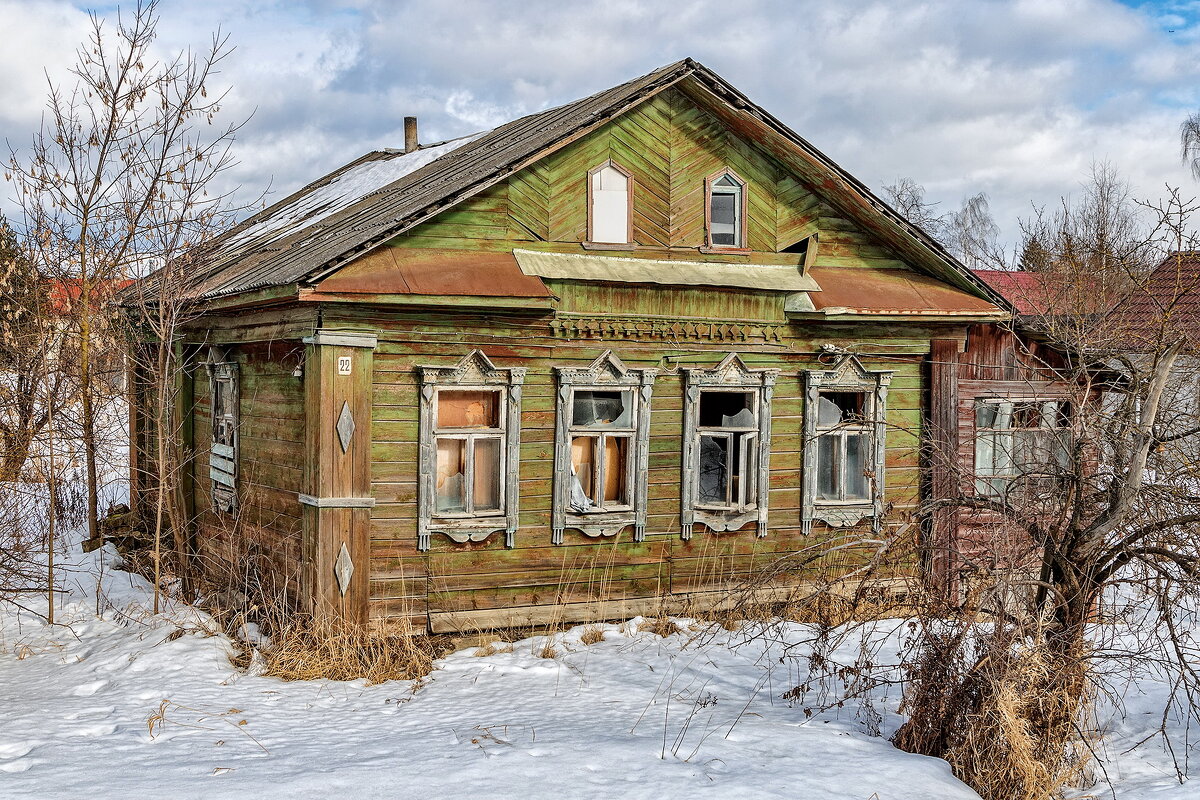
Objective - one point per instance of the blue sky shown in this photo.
(1016, 99)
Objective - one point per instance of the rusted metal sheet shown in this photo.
(619, 269)
(434, 272)
(893, 292)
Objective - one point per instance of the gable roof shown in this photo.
(354, 210)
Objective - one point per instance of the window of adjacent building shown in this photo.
(223, 450)
(610, 204)
(728, 431)
(726, 211)
(845, 448)
(1020, 441)
(601, 448)
(469, 450)
(469, 441)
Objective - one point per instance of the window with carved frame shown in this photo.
(726, 446)
(469, 450)
(601, 448)
(845, 428)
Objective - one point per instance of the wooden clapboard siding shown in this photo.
(481, 578)
(266, 528)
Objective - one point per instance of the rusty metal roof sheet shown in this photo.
(891, 292)
(391, 270)
(297, 241)
(621, 269)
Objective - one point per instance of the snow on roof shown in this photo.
(343, 191)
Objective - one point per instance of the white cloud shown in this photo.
(1014, 98)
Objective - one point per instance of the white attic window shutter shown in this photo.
(610, 205)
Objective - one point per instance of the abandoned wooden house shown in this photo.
(602, 358)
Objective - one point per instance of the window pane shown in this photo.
(451, 464)
(745, 470)
(583, 465)
(858, 455)
(724, 210)
(835, 408)
(487, 475)
(601, 409)
(727, 410)
(616, 453)
(610, 179)
(727, 180)
(610, 207)
(829, 467)
(468, 409)
(714, 470)
(985, 415)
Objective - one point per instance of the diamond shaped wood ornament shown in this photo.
(345, 426)
(343, 569)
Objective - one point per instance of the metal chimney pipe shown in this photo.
(410, 134)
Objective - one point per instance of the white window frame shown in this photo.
(592, 190)
(730, 375)
(848, 375)
(984, 479)
(740, 225)
(475, 372)
(607, 373)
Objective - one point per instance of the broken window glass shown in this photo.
(1028, 440)
(720, 409)
(597, 409)
(714, 470)
(844, 446)
(728, 459)
(599, 471)
(468, 409)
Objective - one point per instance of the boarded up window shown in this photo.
(1020, 443)
(610, 204)
(223, 450)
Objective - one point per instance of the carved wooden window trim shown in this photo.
(742, 229)
(731, 374)
(474, 372)
(591, 202)
(606, 373)
(224, 411)
(848, 376)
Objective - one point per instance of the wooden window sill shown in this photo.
(733, 251)
(608, 246)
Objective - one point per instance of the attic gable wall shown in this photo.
(670, 144)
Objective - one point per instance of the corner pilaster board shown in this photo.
(344, 339)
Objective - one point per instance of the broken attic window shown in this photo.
(725, 209)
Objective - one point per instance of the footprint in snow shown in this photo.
(89, 689)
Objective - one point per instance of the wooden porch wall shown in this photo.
(265, 534)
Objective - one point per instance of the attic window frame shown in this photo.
(591, 243)
(741, 228)
(605, 374)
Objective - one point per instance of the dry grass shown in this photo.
(662, 625)
(592, 634)
(303, 648)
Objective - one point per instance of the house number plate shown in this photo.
(343, 365)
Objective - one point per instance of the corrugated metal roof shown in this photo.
(456, 273)
(300, 250)
(892, 292)
(618, 269)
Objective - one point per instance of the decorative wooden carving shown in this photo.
(730, 374)
(568, 326)
(607, 372)
(849, 375)
(474, 371)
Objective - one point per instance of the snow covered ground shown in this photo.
(122, 703)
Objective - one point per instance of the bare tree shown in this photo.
(119, 181)
(970, 234)
(1189, 143)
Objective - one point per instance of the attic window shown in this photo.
(610, 192)
(726, 211)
